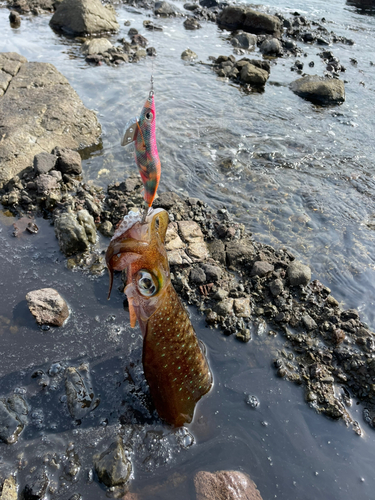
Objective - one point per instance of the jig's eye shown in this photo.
(147, 283)
(149, 116)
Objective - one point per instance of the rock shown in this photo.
(13, 418)
(197, 276)
(217, 250)
(9, 491)
(271, 47)
(112, 466)
(239, 252)
(69, 161)
(191, 6)
(308, 322)
(37, 487)
(165, 9)
(276, 287)
(132, 32)
(224, 307)
(178, 257)
(244, 41)
(96, 46)
(261, 268)
(191, 24)
(86, 220)
(298, 273)
(51, 114)
(172, 239)
(71, 235)
(84, 17)
(106, 228)
(213, 273)
(188, 55)
(198, 250)
(208, 4)
(10, 64)
(14, 18)
(319, 90)
(45, 184)
(242, 307)
(79, 393)
(166, 200)
(47, 306)
(44, 162)
(249, 20)
(190, 231)
(254, 76)
(225, 485)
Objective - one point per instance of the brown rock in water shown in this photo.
(48, 307)
(319, 90)
(84, 17)
(51, 112)
(225, 485)
(246, 19)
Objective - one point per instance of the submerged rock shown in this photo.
(188, 55)
(84, 17)
(246, 19)
(319, 90)
(244, 40)
(51, 111)
(13, 418)
(47, 306)
(79, 392)
(112, 466)
(36, 488)
(225, 485)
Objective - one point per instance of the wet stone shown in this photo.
(70, 234)
(276, 287)
(197, 276)
(79, 391)
(213, 273)
(69, 161)
(242, 307)
(106, 228)
(224, 307)
(191, 24)
(308, 322)
(45, 183)
(13, 418)
(271, 47)
(261, 268)
(238, 252)
(112, 466)
(47, 306)
(36, 488)
(225, 485)
(298, 273)
(244, 40)
(217, 250)
(44, 162)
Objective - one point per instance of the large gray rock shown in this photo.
(84, 17)
(72, 234)
(112, 466)
(253, 75)
(319, 90)
(51, 113)
(225, 485)
(47, 306)
(246, 19)
(10, 64)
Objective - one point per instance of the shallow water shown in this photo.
(302, 177)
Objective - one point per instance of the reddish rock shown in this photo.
(225, 485)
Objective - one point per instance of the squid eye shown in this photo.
(148, 116)
(147, 283)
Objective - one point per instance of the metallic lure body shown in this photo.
(141, 131)
(175, 367)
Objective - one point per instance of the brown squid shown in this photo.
(174, 365)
